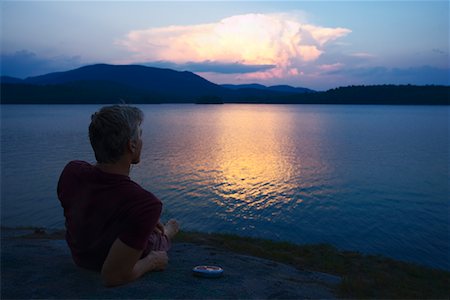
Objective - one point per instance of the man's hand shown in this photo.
(159, 228)
(123, 264)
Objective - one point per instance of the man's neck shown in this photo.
(120, 167)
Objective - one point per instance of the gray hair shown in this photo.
(111, 128)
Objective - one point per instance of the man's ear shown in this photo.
(132, 146)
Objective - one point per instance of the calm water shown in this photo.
(366, 178)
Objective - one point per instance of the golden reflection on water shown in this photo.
(253, 161)
(238, 162)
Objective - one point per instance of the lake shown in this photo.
(368, 178)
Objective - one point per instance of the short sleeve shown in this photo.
(141, 218)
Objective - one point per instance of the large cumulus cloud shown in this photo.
(280, 41)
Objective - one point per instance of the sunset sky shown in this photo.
(313, 44)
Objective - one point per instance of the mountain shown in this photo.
(290, 89)
(178, 86)
(102, 84)
(244, 86)
(275, 88)
(9, 79)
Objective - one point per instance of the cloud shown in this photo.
(331, 67)
(260, 46)
(26, 63)
(362, 55)
(439, 51)
(380, 75)
(212, 66)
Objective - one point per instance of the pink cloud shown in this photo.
(331, 67)
(362, 55)
(254, 39)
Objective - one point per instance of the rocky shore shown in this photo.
(38, 265)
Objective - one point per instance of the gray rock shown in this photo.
(42, 268)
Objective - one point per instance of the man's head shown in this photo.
(114, 130)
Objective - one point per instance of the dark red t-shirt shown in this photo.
(100, 207)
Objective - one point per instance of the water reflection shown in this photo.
(347, 175)
(253, 169)
(258, 166)
(237, 164)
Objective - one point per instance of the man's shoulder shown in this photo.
(77, 165)
(138, 193)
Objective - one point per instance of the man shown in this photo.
(112, 224)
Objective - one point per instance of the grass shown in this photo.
(363, 276)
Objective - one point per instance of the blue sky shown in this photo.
(314, 44)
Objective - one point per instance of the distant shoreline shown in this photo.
(105, 84)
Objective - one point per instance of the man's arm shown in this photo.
(123, 265)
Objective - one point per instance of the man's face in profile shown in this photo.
(137, 154)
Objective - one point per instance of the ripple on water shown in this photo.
(300, 173)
